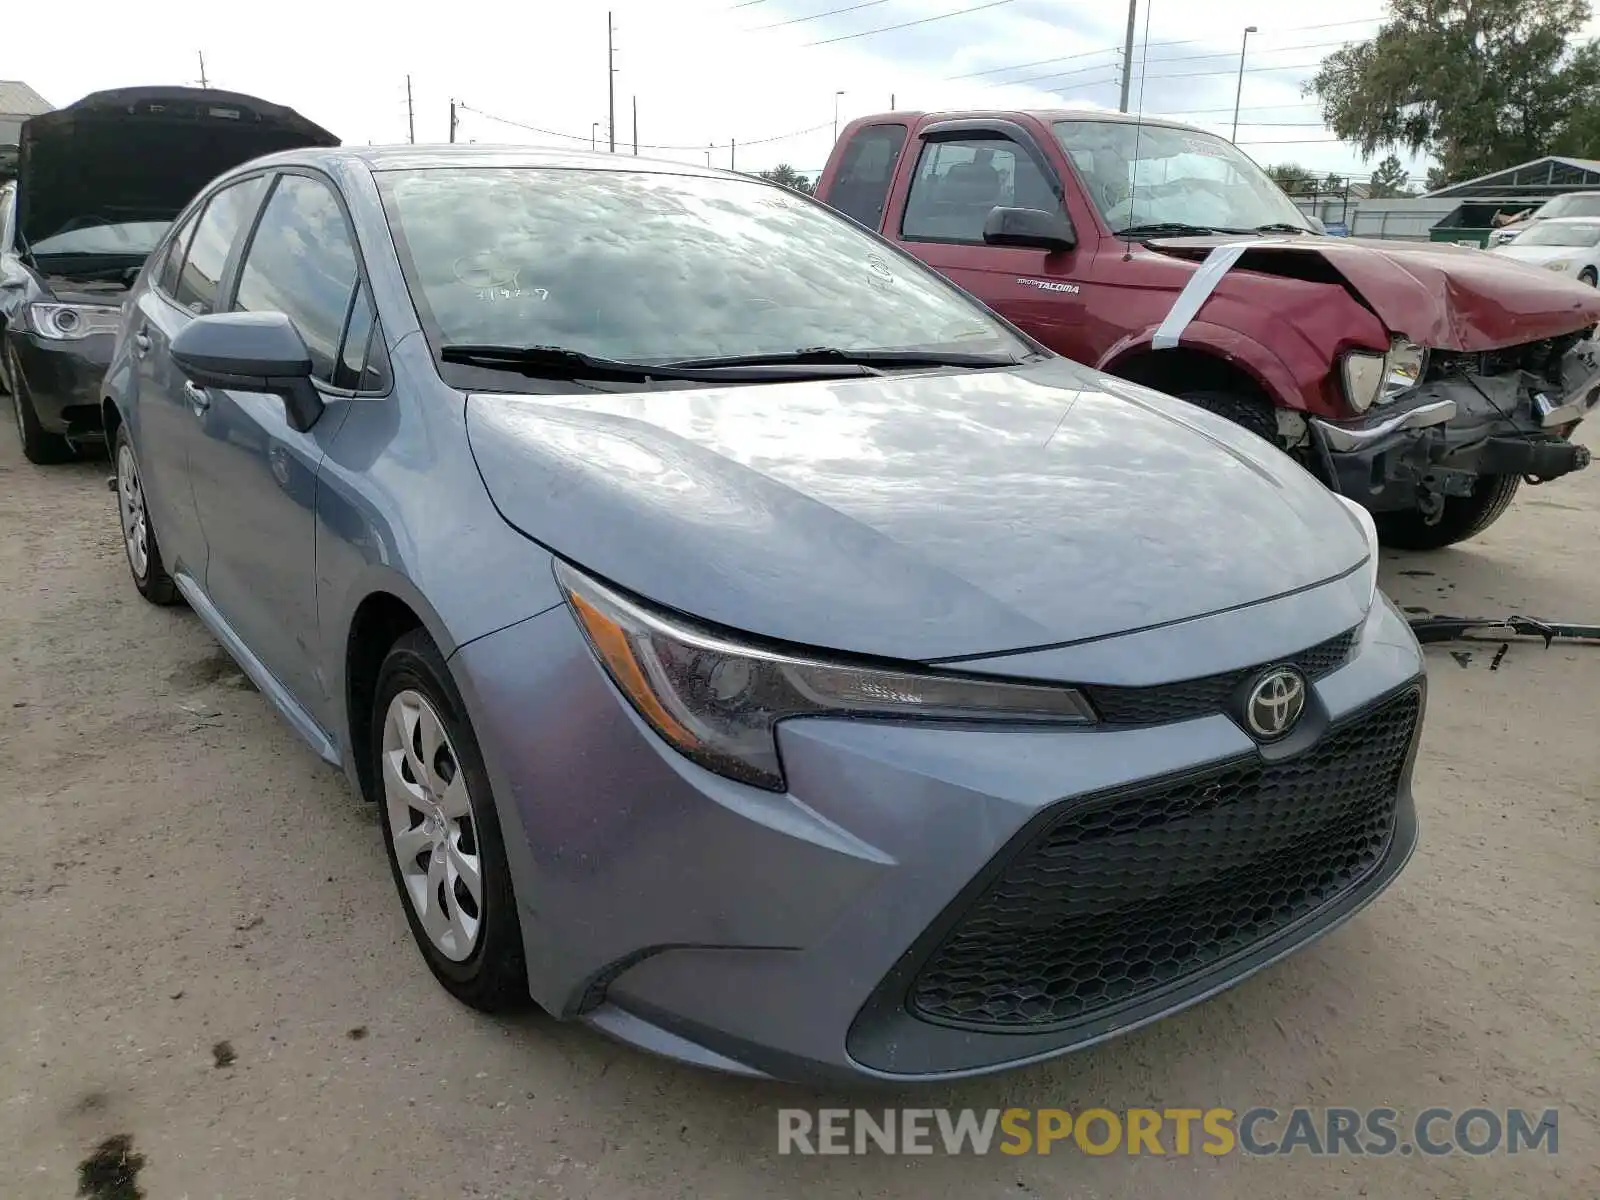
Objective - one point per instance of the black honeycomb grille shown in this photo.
(1128, 895)
(1167, 702)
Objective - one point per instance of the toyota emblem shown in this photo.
(1275, 703)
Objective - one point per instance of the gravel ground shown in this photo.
(182, 884)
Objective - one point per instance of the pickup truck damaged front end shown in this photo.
(1489, 413)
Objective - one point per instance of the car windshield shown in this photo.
(1152, 174)
(1576, 204)
(131, 238)
(652, 267)
(1548, 233)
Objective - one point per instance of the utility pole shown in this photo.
(204, 82)
(1239, 90)
(891, 103)
(733, 147)
(636, 127)
(411, 115)
(611, 81)
(1127, 54)
(452, 120)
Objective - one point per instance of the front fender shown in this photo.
(1261, 364)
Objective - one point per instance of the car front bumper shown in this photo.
(63, 380)
(1446, 435)
(808, 935)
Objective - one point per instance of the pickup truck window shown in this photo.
(959, 181)
(861, 188)
(1139, 176)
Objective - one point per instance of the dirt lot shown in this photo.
(177, 871)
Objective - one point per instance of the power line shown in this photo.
(1284, 29)
(848, 37)
(832, 12)
(698, 147)
(1037, 63)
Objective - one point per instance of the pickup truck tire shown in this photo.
(1249, 412)
(1464, 517)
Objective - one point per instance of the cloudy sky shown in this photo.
(706, 72)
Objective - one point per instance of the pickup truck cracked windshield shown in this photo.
(1426, 382)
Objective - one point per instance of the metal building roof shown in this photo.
(1542, 177)
(17, 99)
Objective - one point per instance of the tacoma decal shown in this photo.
(1049, 285)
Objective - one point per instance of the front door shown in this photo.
(184, 286)
(957, 180)
(255, 478)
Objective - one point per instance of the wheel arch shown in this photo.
(378, 621)
(1189, 369)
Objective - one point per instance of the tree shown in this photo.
(1333, 183)
(1480, 85)
(786, 175)
(1389, 180)
(1437, 179)
(1293, 178)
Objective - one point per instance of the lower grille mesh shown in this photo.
(1127, 895)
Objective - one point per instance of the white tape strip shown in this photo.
(1198, 290)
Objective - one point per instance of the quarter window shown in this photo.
(862, 186)
(172, 263)
(225, 215)
(302, 262)
(959, 182)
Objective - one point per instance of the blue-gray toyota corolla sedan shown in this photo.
(756, 649)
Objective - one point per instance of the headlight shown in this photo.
(1364, 377)
(718, 702)
(1369, 569)
(68, 322)
(1407, 364)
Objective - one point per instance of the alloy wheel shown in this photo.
(432, 826)
(135, 522)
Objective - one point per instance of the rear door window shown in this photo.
(227, 213)
(302, 262)
(959, 182)
(861, 188)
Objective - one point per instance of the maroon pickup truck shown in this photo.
(1424, 381)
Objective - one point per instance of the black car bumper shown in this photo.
(62, 379)
(1446, 435)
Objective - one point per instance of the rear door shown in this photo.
(184, 286)
(859, 185)
(962, 171)
(255, 478)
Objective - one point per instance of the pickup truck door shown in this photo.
(958, 173)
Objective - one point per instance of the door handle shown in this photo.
(141, 344)
(196, 396)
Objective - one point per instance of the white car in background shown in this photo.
(1568, 244)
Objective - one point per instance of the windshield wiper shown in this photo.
(874, 360)
(1168, 229)
(558, 362)
(1281, 227)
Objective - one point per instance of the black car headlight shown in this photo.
(718, 701)
(69, 322)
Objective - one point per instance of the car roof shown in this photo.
(1045, 115)
(411, 158)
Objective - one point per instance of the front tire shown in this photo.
(442, 832)
(138, 535)
(1587, 275)
(39, 445)
(1248, 412)
(1463, 517)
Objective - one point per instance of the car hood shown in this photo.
(1437, 295)
(915, 517)
(143, 153)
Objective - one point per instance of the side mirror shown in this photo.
(1316, 224)
(251, 352)
(1029, 227)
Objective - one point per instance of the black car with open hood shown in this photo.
(97, 184)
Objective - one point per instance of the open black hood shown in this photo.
(141, 154)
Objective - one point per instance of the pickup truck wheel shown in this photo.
(1463, 517)
(1249, 412)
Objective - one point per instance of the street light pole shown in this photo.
(594, 135)
(1239, 90)
(836, 96)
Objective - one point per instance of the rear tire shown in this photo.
(39, 445)
(138, 535)
(441, 830)
(1464, 517)
(1248, 412)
